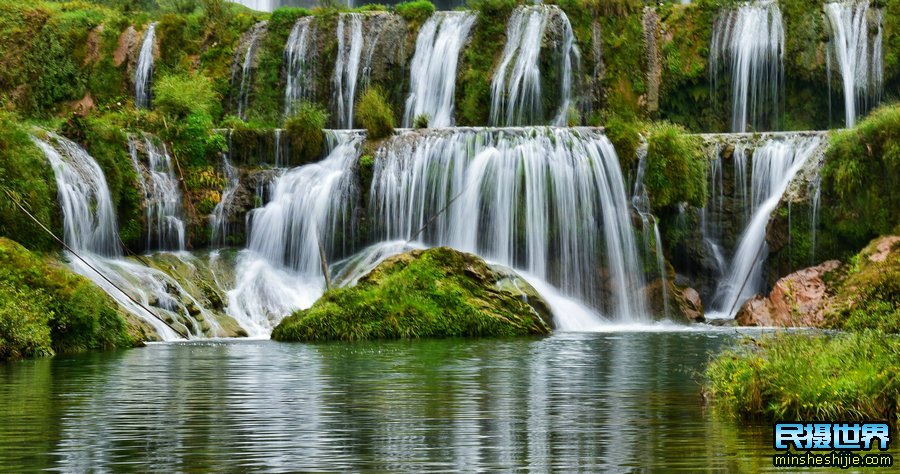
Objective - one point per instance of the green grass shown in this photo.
(433, 293)
(852, 376)
(374, 113)
(305, 131)
(868, 297)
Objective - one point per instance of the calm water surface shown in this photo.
(603, 401)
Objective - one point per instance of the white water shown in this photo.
(516, 87)
(859, 63)
(244, 58)
(775, 163)
(433, 69)
(298, 66)
(346, 68)
(750, 41)
(218, 220)
(640, 199)
(162, 194)
(143, 73)
(280, 271)
(259, 5)
(540, 200)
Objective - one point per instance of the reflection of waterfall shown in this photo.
(516, 95)
(280, 271)
(551, 202)
(346, 68)
(750, 41)
(244, 63)
(433, 69)
(860, 65)
(143, 73)
(161, 193)
(774, 164)
(298, 66)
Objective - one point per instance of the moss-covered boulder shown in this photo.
(438, 292)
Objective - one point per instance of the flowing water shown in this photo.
(516, 95)
(162, 194)
(775, 162)
(640, 199)
(346, 68)
(859, 63)
(749, 41)
(143, 73)
(243, 66)
(572, 401)
(433, 68)
(218, 220)
(531, 199)
(298, 65)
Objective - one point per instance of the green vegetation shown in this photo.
(625, 136)
(676, 167)
(803, 377)
(305, 129)
(182, 95)
(432, 293)
(869, 295)
(415, 12)
(859, 180)
(40, 297)
(374, 113)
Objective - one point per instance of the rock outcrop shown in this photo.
(798, 299)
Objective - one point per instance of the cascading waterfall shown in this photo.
(162, 195)
(218, 220)
(259, 5)
(346, 68)
(244, 58)
(143, 73)
(89, 224)
(312, 205)
(516, 97)
(298, 64)
(860, 65)
(540, 200)
(640, 199)
(433, 69)
(774, 165)
(749, 40)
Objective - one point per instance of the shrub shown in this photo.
(803, 377)
(24, 317)
(676, 167)
(181, 95)
(625, 136)
(305, 130)
(421, 121)
(375, 114)
(415, 12)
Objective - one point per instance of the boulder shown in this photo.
(438, 292)
(798, 299)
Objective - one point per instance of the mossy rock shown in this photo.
(438, 292)
(867, 296)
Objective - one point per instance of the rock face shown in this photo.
(437, 292)
(691, 306)
(798, 299)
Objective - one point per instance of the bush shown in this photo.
(421, 121)
(305, 130)
(625, 136)
(676, 167)
(802, 377)
(24, 317)
(415, 12)
(181, 95)
(374, 113)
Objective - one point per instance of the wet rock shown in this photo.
(798, 299)
(691, 305)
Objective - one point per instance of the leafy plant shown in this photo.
(375, 114)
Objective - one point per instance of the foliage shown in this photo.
(181, 95)
(24, 318)
(433, 293)
(625, 136)
(305, 129)
(421, 121)
(415, 12)
(676, 167)
(859, 179)
(80, 317)
(803, 377)
(869, 295)
(375, 114)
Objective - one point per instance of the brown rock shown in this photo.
(883, 248)
(691, 304)
(127, 42)
(796, 300)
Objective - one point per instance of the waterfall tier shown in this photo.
(859, 62)
(143, 73)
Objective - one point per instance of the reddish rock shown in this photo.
(798, 299)
(691, 305)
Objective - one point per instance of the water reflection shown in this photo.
(591, 401)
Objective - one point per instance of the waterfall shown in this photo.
(516, 97)
(298, 65)
(774, 164)
(346, 68)
(244, 59)
(861, 67)
(259, 5)
(433, 70)
(550, 202)
(280, 271)
(162, 194)
(143, 73)
(218, 220)
(750, 41)
(89, 225)
(640, 199)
